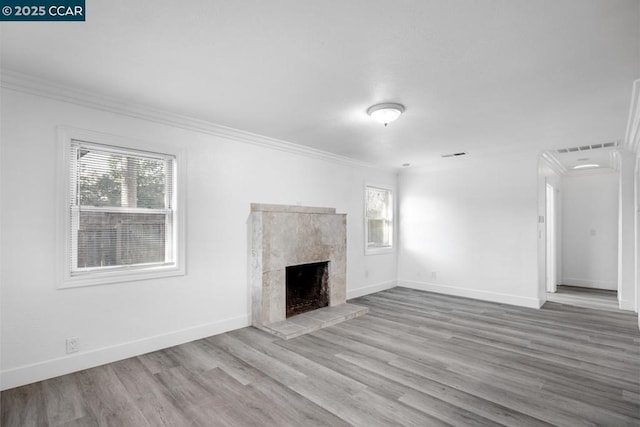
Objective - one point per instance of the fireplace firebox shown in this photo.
(306, 287)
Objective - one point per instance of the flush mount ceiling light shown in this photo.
(385, 113)
(586, 166)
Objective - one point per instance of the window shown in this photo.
(121, 214)
(378, 220)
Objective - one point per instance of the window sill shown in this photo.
(104, 278)
(379, 251)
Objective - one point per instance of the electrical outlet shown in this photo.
(434, 275)
(73, 345)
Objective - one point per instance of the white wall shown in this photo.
(120, 320)
(469, 228)
(590, 230)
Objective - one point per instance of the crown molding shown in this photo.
(22, 83)
(632, 136)
(552, 161)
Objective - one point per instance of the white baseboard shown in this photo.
(27, 374)
(473, 293)
(370, 289)
(593, 284)
(626, 304)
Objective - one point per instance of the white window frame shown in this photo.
(65, 246)
(378, 250)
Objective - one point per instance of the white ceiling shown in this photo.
(604, 156)
(482, 76)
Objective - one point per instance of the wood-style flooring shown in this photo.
(599, 299)
(417, 358)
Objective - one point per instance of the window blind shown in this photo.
(121, 208)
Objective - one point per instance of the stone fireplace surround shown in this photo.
(282, 236)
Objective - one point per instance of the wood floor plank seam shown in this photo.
(417, 359)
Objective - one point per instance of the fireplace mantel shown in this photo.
(284, 235)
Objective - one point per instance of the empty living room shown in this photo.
(337, 213)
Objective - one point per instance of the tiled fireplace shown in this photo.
(298, 269)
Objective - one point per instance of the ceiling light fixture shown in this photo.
(586, 166)
(385, 113)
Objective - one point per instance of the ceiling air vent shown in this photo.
(462, 153)
(587, 147)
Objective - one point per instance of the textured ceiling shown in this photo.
(482, 76)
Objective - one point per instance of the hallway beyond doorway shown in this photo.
(600, 299)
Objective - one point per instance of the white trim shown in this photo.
(31, 373)
(370, 289)
(552, 161)
(473, 293)
(587, 283)
(551, 236)
(34, 86)
(63, 242)
(119, 209)
(632, 135)
(381, 250)
(627, 304)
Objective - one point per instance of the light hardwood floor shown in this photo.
(417, 358)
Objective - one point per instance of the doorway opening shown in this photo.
(579, 237)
